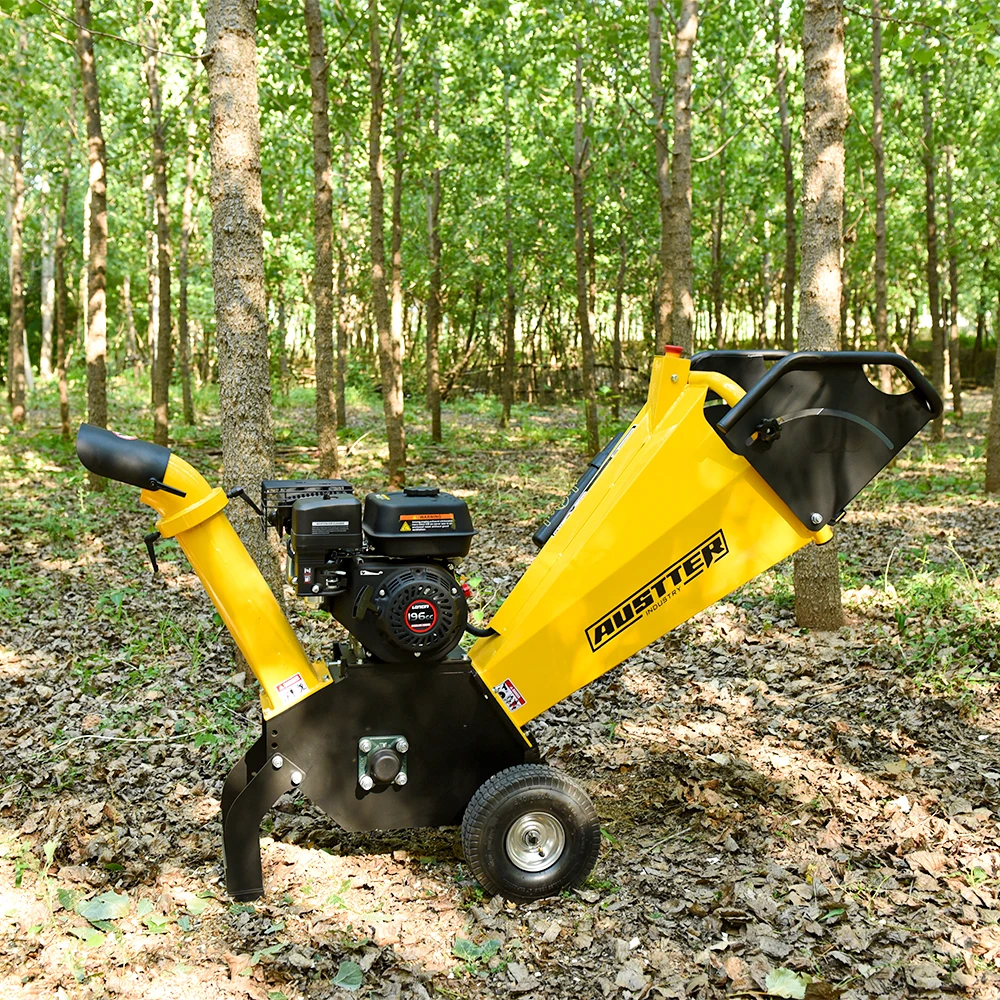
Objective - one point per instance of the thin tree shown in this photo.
(163, 365)
(662, 297)
(954, 362)
(48, 296)
(16, 329)
(509, 313)
(993, 435)
(97, 258)
(930, 231)
(322, 285)
(238, 263)
(434, 261)
(718, 221)
(681, 266)
(343, 292)
(878, 151)
(581, 166)
(788, 277)
(816, 577)
(390, 363)
(396, 224)
(62, 296)
(187, 213)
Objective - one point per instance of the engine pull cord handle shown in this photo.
(150, 541)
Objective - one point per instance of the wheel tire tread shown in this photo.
(501, 786)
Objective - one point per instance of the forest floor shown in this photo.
(777, 806)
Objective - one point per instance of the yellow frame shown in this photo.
(673, 523)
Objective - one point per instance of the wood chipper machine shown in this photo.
(728, 468)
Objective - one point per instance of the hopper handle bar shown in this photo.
(812, 360)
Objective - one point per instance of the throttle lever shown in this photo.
(150, 540)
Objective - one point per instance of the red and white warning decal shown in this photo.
(509, 695)
(291, 688)
(420, 616)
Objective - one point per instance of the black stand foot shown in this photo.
(253, 786)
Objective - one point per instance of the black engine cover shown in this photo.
(399, 611)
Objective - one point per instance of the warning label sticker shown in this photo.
(509, 695)
(426, 522)
(291, 688)
(330, 527)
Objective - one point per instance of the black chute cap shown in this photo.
(127, 460)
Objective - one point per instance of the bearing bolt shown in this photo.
(365, 745)
(277, 762)
(366, 782)
(296, 777)
(402, 744)
(401, 778)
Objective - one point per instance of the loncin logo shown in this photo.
(658, 591)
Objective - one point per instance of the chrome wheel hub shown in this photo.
(535, 841)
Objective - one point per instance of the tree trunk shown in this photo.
(954, 362)
(993, 435)
(933, 287)
(326, 398)
(390, 360)
(977, 349)
(663, 296)
(581, 164)
(16, 330)
(131, 348)
(97, 264)
(816, 575)
(616, 355)
(164, 355)
(238, 265)
(187, 211)
(510, 315)
(62, 296)
(342, 290)
(788, 279)
(152, 287)
(48, 289)
(434, 285)
(682, 309)
(434, 303)
(718, 219)
(878, 149)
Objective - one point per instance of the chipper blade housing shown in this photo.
(677, 518)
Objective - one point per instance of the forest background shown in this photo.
(538, 197)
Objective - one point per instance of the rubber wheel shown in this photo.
(530, 832)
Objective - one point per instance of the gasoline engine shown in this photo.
(385, 571)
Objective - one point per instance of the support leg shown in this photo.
(247, 796)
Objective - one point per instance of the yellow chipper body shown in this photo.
(728, 468)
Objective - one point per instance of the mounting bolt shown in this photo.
(673, 378)
(401, 778)
(365, 745)
(296, 777)
(816, 517)
(277, 762)
(366, 782)
(402, 744)
(316, 588)
(381, 593)
(454, 590)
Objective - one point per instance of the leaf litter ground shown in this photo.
(784, 813)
